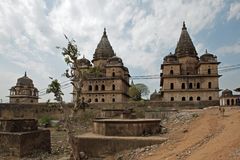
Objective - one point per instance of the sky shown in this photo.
(141, 32)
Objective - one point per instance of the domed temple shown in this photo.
(229, 99)
(24, 91)
(186, 78)
(106, 78)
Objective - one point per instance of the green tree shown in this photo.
(74, 74)
(55, 88)
(134, 93)
(137, 91)
(143, 89)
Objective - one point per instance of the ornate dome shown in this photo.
(104, 49)
(114, 61)
(185, 45)
(208, 57)
(227, 92)
(84, 62)
(24, 81)
(170, 58)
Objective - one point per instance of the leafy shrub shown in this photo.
(45, 121)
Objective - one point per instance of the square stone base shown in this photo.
(94, 145)
(20, 144)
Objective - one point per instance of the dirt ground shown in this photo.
(210, 136)
(192, 135)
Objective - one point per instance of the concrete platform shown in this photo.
(98, 145)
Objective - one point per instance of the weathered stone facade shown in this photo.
(107, 79)
(24, 91)
(228, 99)
(187, 78)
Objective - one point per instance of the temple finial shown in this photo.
(104, 32)
(25, 74)
(206, 51)
(184, 26)
(132, 83)
(83, 55)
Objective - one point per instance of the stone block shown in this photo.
(20, 144)
(126, 127)
(18, 125)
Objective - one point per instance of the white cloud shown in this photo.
(234, 11)
(231, 49)
(141, 32)
(137, 29)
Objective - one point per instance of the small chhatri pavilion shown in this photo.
(24, 91)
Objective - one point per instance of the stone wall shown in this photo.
(52, 110)
(161, 114)
(29, 110)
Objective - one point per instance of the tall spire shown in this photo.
(25, 74)
(104, 49)
(185, 45)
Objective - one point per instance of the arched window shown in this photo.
(172, 98)
(198, 85)
(103, 100)
(183, 99)
(209, 98)
(232, 102)
(190, 86)
(171, 86)
(113, 100)
(113, 87)
(90, 88)
(113, 74)
(183, 85)
(171, 72)
(209, 85)
(103, 87)
(190, 98)
(96, 100)
(198, 98)
(96, 88)
(209, 71)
